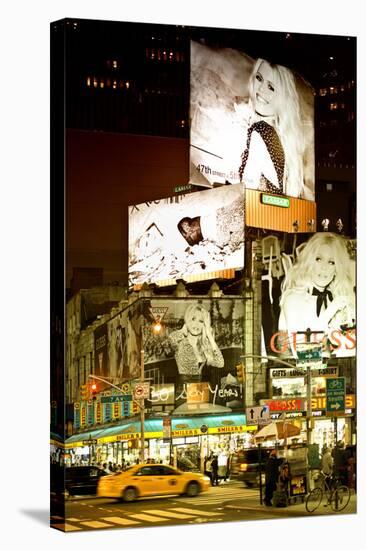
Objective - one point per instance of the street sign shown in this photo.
(257, 415)
(204, 429)
(336, 396)
(141, 390)
(90, 441)
(309, 354)
(116, 398)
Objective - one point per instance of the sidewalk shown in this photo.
(299, 509)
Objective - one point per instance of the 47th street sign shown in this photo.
(115, 398)
(336, 396)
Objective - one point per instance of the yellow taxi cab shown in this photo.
(145, 480)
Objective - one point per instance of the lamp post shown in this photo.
(142, 405)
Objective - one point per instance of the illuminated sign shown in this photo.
(286, 405)
(299, 373)
(226, 120)
(190, 235)
(310, 299)
(275, 200)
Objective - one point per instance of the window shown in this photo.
(323, 91)
(333, 106)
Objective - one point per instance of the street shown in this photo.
(227, 502)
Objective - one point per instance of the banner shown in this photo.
(186, 235)
(308, 295)
(251, 122)
(101, 351)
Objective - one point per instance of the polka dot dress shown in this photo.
(275, 150)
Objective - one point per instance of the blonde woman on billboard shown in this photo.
(318, 293)
(194, 344)
(273, 157)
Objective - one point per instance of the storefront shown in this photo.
(186, 444)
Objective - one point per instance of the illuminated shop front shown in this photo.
(191, 440)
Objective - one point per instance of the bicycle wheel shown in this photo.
(313, 499)
(340, 498)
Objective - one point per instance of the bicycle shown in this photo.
(338, 495)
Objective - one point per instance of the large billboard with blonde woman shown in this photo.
(308, 294)
(251, 121)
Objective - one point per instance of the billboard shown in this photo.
(186, 235)
(190, 363)
(197, 350)
(251, 121)
(308, 295)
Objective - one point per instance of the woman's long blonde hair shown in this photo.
(299, 276)
(288, 124)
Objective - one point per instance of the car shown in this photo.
(82, 480)
(145, 480)
(245, 466)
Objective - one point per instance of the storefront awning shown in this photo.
(180, 427)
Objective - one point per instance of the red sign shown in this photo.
(276, 405)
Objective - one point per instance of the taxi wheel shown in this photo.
(192, 489)
(129, 494)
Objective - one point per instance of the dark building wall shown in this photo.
(105, 173)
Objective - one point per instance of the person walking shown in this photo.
(214, 471)
(271, 476)
(327, 462)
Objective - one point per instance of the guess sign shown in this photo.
(286, 405)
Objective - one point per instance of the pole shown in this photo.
(142, 407)
(260, 473)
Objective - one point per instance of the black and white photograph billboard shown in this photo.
(186, 235)
(197, 349)
(251, 121)
(308, 295)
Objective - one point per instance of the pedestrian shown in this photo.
(327, 462)
(214, 471)
(271, 476)
(340, 462)
(227, 473)
(207, 468)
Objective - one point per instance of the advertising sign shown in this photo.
(161, 394)
(308, 295)
(196, 350)
(167, 428)
(186, 235)
(101, 351)
(251, 122)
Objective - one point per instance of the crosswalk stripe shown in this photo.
(195, 512)
(95, 524)
(169, 514)
(120, 521)
(146, 517)
(66, 527)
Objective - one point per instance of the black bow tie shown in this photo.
(322, 298)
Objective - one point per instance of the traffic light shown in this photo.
(84, 392)
(93, 390)
(240, 373)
